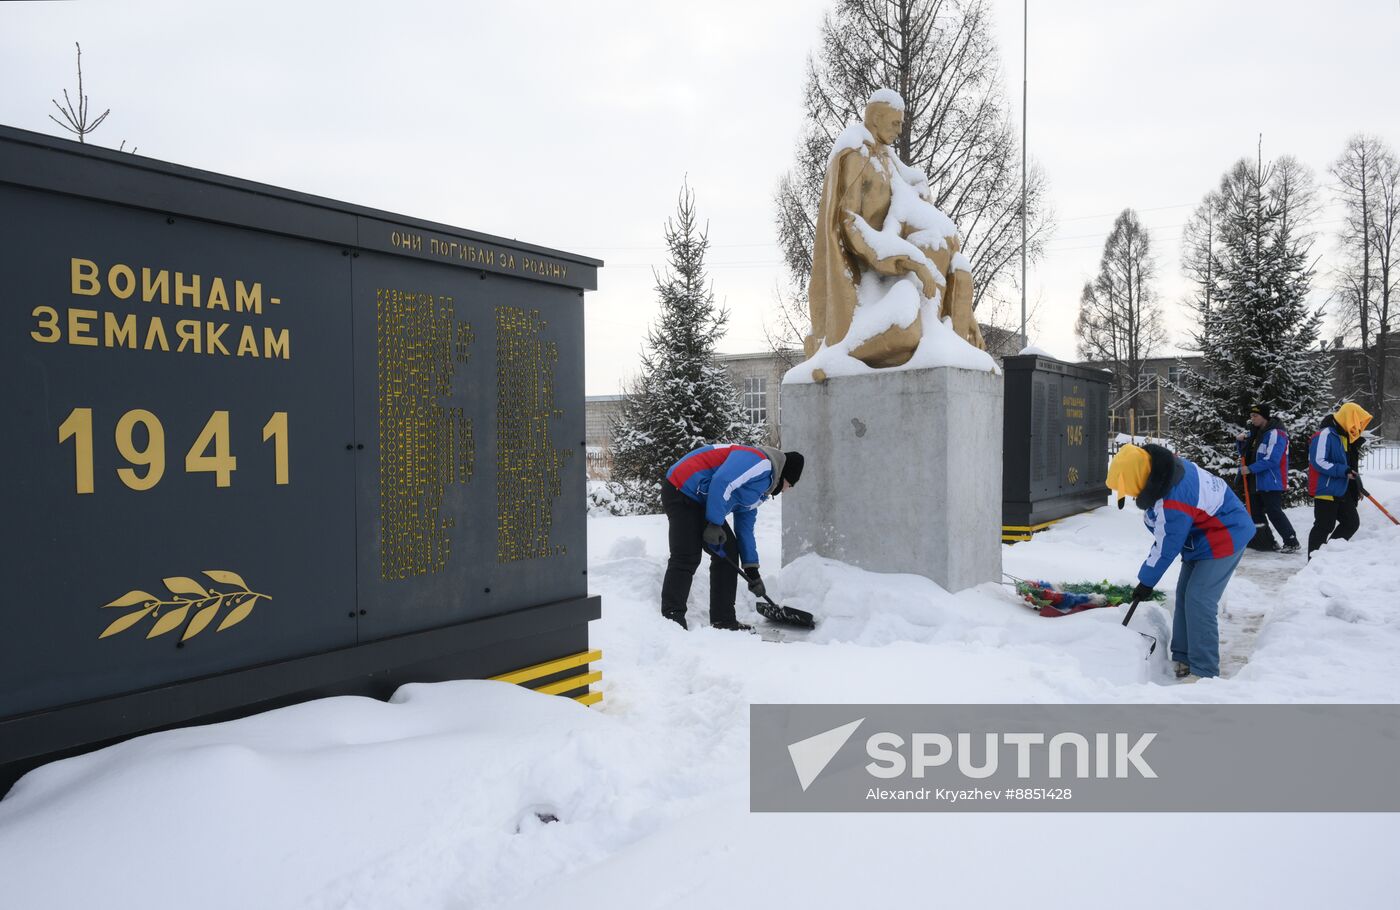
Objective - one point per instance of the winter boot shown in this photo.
(731, 625)
(1290, 546)
(1263, 539)
(1190, 678)
(1181, 669)
(677, 618)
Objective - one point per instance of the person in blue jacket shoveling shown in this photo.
(1334, 460)
(1195, 515)
(701, 490)
(1267, 476)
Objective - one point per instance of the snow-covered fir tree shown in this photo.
(1258, 336)
(682, 398)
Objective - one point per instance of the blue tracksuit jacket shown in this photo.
(1199, 518)
(727, 479)
(1270, 464)
(1327, 463)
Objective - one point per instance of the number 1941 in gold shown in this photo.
(210, 451)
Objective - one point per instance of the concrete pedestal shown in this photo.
(902, 474)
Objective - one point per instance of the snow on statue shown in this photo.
(890, 287)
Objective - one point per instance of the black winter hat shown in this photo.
(792, 467)
(1262, 410)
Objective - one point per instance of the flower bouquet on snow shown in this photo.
(1063, 599)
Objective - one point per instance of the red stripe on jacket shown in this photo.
(1314, 475)
(1217, 535)
(705, 461)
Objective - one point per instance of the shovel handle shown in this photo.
(740, 569)
(1244, 482)
(1383, 509)
(1130, 611)
(1361, 488)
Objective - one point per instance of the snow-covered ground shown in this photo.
(432, 800)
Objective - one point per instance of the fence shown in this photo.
(1383, 455)
(1380, 455)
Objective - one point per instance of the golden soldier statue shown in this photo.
(876, 217)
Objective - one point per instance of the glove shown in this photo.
(1142, 592)
(756, 586)
(714, 538)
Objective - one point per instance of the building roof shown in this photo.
(762, 355)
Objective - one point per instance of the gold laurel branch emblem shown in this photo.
(190, 604)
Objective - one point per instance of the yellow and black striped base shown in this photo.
(538, 677)
(1017, 533)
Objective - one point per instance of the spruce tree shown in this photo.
(682, 399)
(1257, 336)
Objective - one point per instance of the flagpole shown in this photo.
(1025, 81)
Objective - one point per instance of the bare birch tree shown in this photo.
(1120, 317)
(1368, 180)
(940, 55)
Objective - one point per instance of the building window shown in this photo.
(1175, 374)
(756, 400)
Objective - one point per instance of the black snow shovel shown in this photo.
(785, 616)
(1151, 638)
(775, 613)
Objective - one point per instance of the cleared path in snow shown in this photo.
(1254, 591)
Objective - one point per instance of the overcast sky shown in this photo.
(572, 124)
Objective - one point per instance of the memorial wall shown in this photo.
(1055, 443)
(255, 436)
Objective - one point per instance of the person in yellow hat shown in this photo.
(1193, 514)
(1334, 457)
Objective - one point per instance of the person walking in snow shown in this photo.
(1267, 478)
(701, 490)
(1195, 515)
(1334, 460)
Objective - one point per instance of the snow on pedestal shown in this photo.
(903, 471)
(888, 302)
(884, 302)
